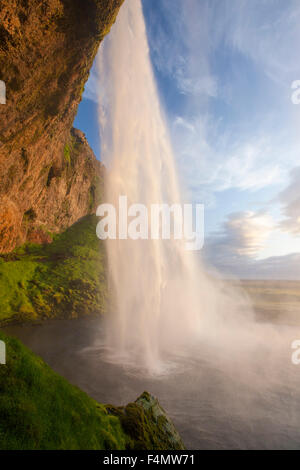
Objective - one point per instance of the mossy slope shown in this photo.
(41, 410)
(63, 279)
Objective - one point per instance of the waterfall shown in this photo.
(162, 296)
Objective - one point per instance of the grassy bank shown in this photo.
(60, 280)
(38, 408)
(41, 410)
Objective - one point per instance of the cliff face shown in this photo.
(48, 174)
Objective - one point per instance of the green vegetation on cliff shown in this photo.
(40, 410)
(63, 279)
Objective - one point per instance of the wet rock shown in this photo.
(147, 425)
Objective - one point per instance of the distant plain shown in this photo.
(274, 301)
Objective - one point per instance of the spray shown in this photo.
(162, 296)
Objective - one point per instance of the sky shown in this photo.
(224, 72)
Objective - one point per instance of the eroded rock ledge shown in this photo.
(48, 173)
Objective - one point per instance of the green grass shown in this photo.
(64, 279)
(38, 408)
(41, 410)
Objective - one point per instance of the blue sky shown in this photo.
(224, 70)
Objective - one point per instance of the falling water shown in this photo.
(234, 385)
(161, 295)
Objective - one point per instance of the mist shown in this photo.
(168, 315)
(163, 297)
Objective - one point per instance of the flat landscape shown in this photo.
(275, 301)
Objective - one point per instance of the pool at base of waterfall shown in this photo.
(216, 399)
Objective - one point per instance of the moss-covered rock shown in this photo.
(147, 425)
(40, 410)
(63, 279)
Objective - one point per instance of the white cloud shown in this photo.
(179, 121)
(211, 160)
(179, 46)
(251, 245)
(254, 149)
(285, 267)
(243, 235)
(235, 250)
(266, 31)
(290, 199)
(245, 148)
(277, 267)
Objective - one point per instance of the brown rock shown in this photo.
(48, 174)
